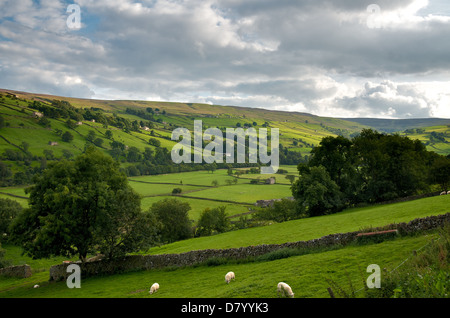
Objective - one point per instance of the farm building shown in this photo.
(38, 115)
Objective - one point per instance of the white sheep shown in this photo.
(229, 276)
(154, 288)
(285, 290)
(36, 286)
(448, 192)
(443, 192)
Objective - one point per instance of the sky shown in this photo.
(334, 58)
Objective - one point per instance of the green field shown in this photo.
(202, 189)
(310, 228)
(305, 129)
(308, 274)
(440, 146)
(197, 190)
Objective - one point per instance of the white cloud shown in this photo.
(310, 56)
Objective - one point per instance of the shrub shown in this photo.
(67, 136)
(176, 191)
(424, 275)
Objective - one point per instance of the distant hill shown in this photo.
(298, 131)
(137, 132)
(397, 125)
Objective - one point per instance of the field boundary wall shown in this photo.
(149, 262)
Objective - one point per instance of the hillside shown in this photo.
(299, 132)
(308, 273)
(26, 137)
(395, 125)
(36, 130)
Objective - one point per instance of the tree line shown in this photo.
(369, 168)
(86, 207)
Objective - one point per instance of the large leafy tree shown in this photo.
(173, 219)
(315, 192)
(374, 167)
(212, 221)
(82, 207)
(391, 166)
(440, 172)
(338, 156)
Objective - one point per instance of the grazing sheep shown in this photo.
(154, 288)
(36, 286)
(448, 192)
(229, 276)
(285, 290)
(443, 192)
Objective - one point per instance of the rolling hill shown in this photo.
(33, 133)
(125, 120)
(298, 131)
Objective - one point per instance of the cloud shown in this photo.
(392, 100)
(319, 56)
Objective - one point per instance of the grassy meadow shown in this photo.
(197, 190)
(309, 275)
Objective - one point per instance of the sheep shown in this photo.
(285, 290)
(154, 288)
(443, 192)
(448, 192)
(36, 286)
(229, 276)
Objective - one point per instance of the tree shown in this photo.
(108, 134)
(154, 142)
(212, 221)
(5, 173)
(67, 136)
(374, 167)
(9, 209)
(90, 136)
(98, 142)
(316, 194)
(173, 219)
(338, 157)
(291, 178)
(281, 211)
(390, 166)
(176, 191)
(67, 154)
(440, 172)
(81, 207)
(134, 155)
(123, 228)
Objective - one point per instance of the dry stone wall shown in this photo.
(20, 271)
(148, 262)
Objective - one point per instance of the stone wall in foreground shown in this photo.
(148, 262)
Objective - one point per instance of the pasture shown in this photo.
(197, 190)
(309, 228)
(308, 275)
